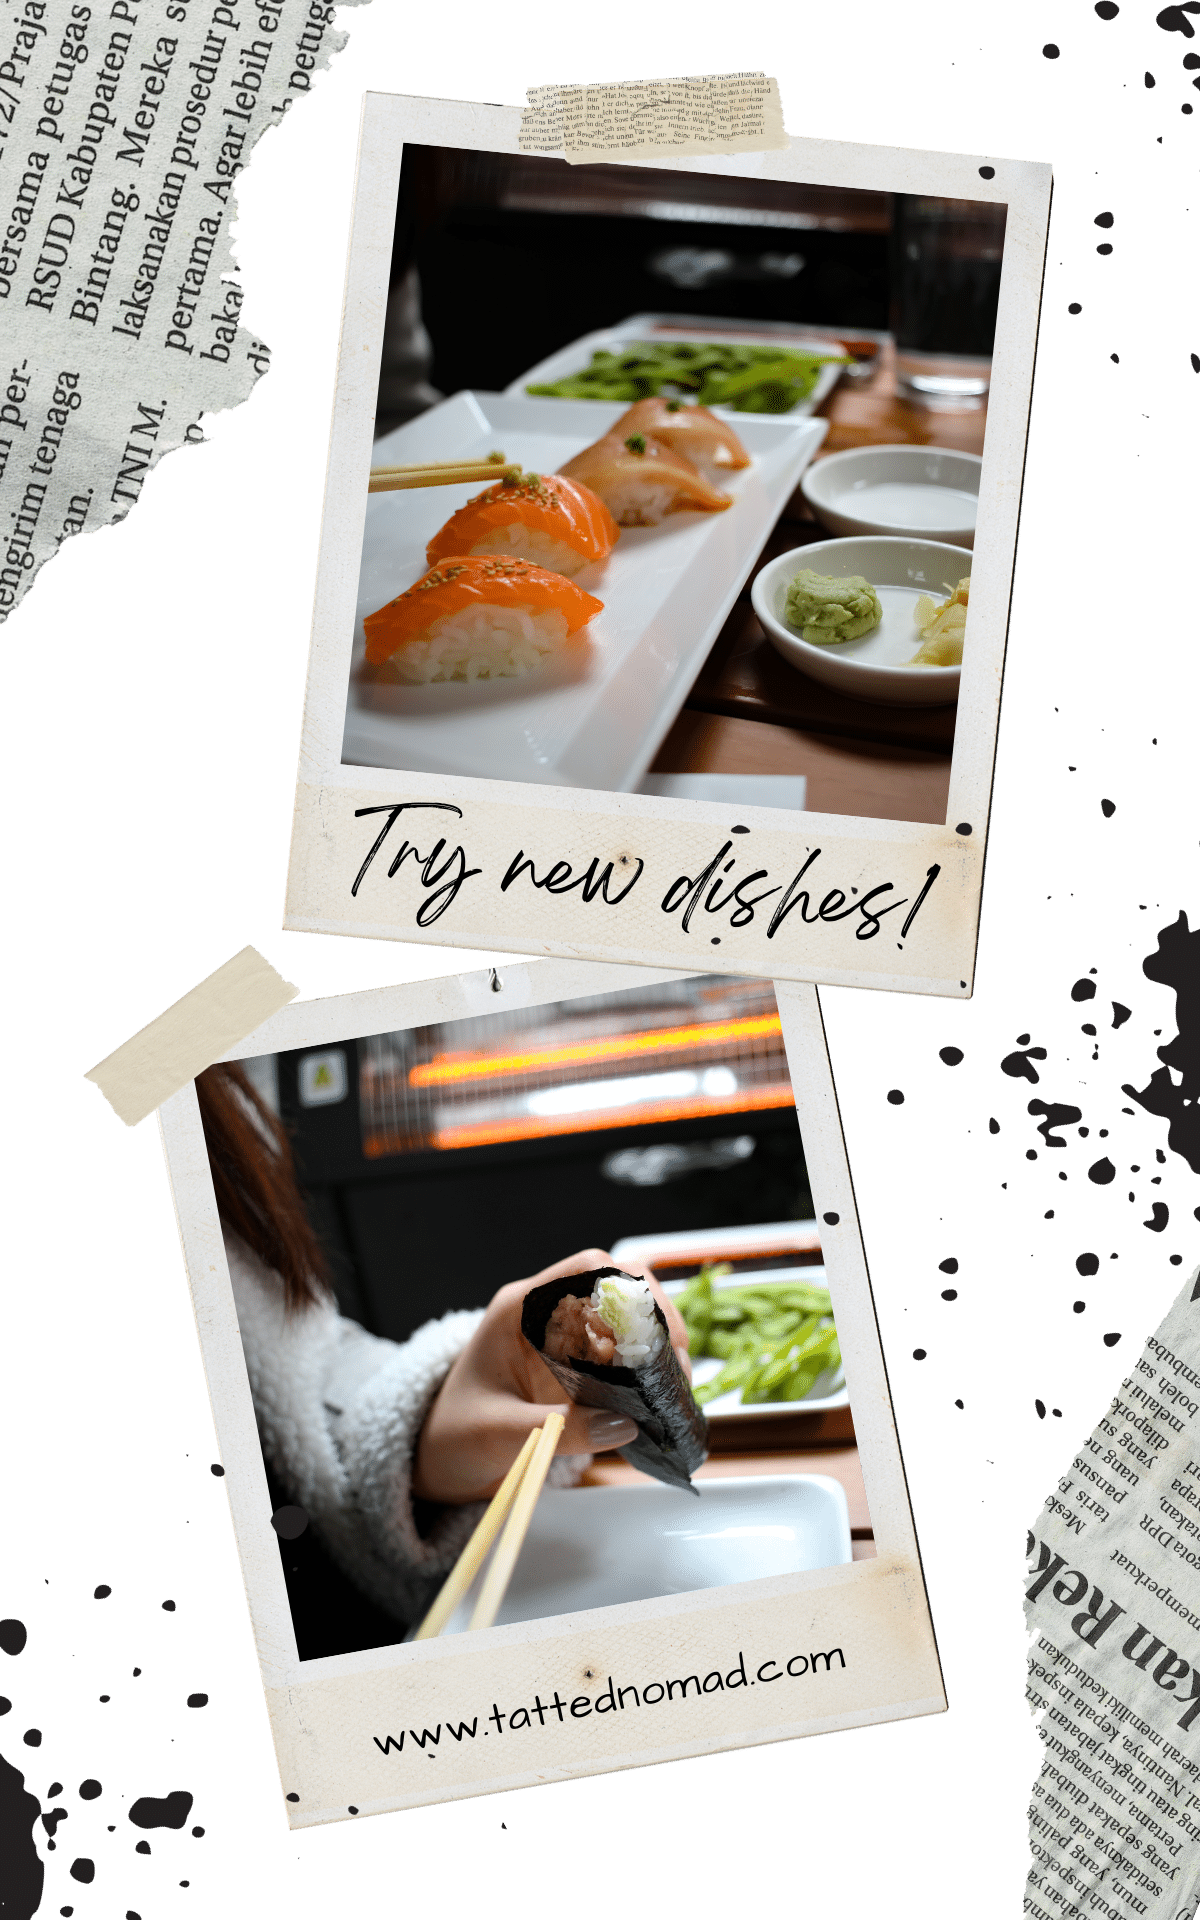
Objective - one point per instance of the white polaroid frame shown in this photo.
(330, 1717)
(457, 838)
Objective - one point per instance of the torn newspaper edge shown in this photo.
(189, 1036)
(1114, 1667)
(597, 1685)
(123, 130)
(655, 119)
(507, 814)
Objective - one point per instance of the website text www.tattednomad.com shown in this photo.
(611, 1699)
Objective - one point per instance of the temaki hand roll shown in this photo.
(604, 1338)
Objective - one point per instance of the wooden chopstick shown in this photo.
(509, 1545)
(440, 473)
(475, 1552)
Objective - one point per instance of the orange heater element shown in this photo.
(446, 1068)
(682, 1052)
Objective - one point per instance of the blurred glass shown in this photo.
(946, 260)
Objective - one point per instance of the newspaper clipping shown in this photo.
(655, 119)
(1113, 1605)
(124, 125)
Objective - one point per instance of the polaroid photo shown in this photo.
(667, 552)
(547, 1381)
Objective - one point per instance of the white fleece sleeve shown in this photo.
(339, 1412)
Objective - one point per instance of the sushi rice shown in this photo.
(640, 504)
(627, 1306)
(481, 643)
(540, 549)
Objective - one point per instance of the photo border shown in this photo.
(494, 820)
(326, 1713)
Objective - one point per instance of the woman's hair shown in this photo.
(254, 1176)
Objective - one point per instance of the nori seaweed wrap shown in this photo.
(672, 1431)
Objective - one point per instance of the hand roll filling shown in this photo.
(604, 1338)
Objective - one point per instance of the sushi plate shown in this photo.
(653, 326)
(596, 715)
(739, 1243)
(606, 1546)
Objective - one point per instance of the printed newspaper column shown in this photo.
(1114, 1666)
(123, 129)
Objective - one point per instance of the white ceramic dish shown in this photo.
(648, 326)
(715, 1244)
(873, 667)
(928, 493)
(605, 1546)
(596, 716)
(829, 1389)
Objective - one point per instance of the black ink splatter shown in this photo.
(1103, 220)
(217, 1470)
(24, 1871)
(918, 1353)
(1079, 1306)
(1102, 1171)
(950, 1293)
(1175, 20)
(83, 1870)
(1041, 1410)
(1083, 990)
(1087, 1263)
(831, 1219)
(90, 1790)
(1176, 963)
(993, 1126)
(143, 1846)
(168, 1606)
(1019, 1066)
(33, 1737)
(895, 1098)
(1051, 51)
(1056, 1116)
(1110, 1339)
(169, 1812)
(948, 1266)
(197, 1699)
(13, 1636)
(1108, 808)
(289, 1522)
(1158, 1217)
(950, 1056)
(1120, 1014)
(52, 1819)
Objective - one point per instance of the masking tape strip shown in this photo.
(655, 119)
(189, 1036)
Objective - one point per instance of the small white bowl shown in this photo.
(924, 493)
(873, 667)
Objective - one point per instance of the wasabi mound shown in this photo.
(826, 610)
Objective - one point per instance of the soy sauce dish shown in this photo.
(875, 666)
(929, 493)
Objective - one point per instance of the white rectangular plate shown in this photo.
(596, 716)
(724, 1243)
(649, 326)
(603, 1546)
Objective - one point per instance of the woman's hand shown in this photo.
(499, 1389)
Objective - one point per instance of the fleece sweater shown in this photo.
(339, 1412)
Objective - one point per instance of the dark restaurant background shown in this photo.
(509, 257)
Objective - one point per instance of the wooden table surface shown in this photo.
(751, 712)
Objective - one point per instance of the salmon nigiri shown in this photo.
(640, 480)
(710, 444)
(477, 617)
(552, 522)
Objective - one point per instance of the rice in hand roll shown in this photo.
(604, 1338)
(477, 618)
(551, 522)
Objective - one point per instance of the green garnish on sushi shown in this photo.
(636, 443)
(776, 1337)
(747, 379)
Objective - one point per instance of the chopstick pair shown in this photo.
(513, 1502)
(441, 473)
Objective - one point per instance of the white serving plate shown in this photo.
(725, 1243)
(829, 1389)
(597, 714)
(873, 667)
(647, 326)
(930, 493)
(605, 1546)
